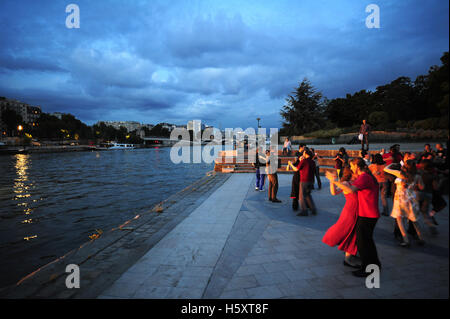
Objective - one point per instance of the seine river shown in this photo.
(51, 203)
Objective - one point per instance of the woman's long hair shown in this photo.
(347, 174)
(359, 162)
(409, 170)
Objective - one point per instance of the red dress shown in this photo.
(343, 232)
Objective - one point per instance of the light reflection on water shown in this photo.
(51, 203)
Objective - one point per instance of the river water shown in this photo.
(51, 203)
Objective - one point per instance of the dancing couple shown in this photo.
(353, 232)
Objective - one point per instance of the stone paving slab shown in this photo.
(195, 245)
(239, 245)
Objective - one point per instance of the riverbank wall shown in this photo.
(419, 135)
(228, 161)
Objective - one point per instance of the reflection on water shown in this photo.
(51, 203)
(22, 186)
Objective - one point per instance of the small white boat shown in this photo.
(118, 146)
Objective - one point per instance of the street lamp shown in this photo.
(257, 131)
(20, 128)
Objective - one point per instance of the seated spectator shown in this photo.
(287, 147)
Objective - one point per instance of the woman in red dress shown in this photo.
(343, 232)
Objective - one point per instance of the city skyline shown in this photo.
(225, 63)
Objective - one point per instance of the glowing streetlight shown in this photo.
(20, 128)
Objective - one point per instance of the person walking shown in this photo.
(271, 171)
(260, 175)
(343, 232)
(377, 169)
(364, 134)
(366, 186)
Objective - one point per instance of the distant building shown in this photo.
(28, 113)
(148, 126)
(128, 125)
(57, 114)
(195, 125)
(168, 126)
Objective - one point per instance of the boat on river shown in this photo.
(120, 146)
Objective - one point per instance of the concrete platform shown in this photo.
(237, 244)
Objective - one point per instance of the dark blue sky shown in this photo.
(224, 62)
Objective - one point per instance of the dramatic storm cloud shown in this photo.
(224, 62)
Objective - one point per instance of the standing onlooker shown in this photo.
(427, 153)
(260, 176)
(366, 186)
(287, 147)
(271, 171)
(343, 232)
(317, 170)
(364, 130)
(441, 153)
(341, 160)
(405, 201)
(306, 169)
(377, 169)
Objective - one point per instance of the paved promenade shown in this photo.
(237, 244)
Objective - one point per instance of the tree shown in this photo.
(348, 111)
(11, 120)
(159, 130)
(378, 119)
(304, 111)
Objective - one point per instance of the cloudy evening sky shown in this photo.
(225, 62)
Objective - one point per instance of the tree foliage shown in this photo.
(303, 111)
(398, 102)
(11, 119)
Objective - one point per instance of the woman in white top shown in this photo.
(287, 147)
(405, 202)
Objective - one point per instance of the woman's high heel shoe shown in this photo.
(405, 244)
